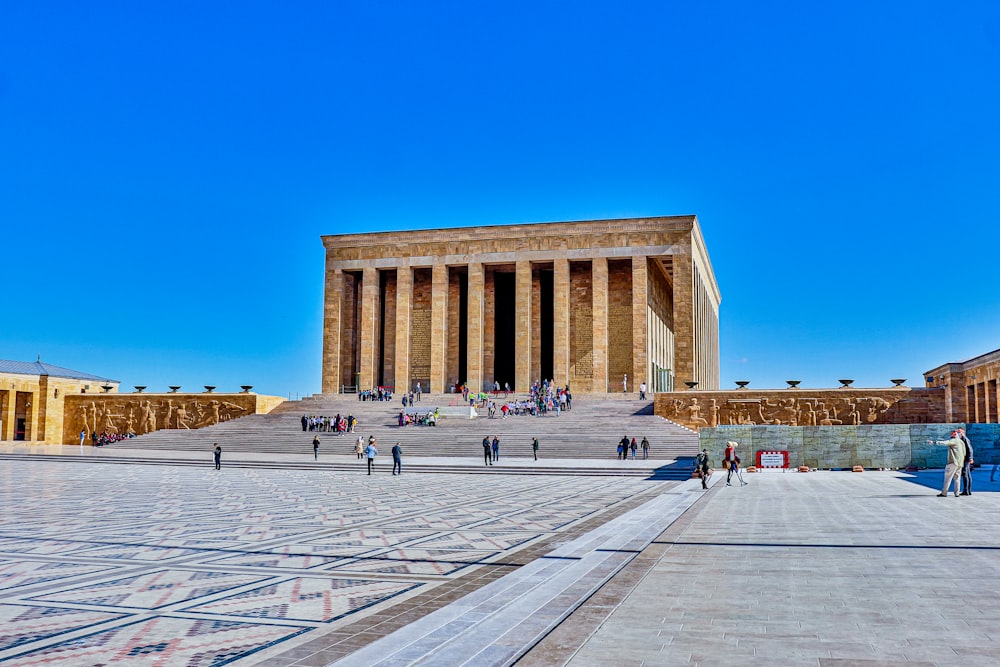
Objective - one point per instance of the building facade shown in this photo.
(970, 388)
(590, 304)
(32, 396)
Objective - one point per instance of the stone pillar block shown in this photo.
(522, 325)
(560, 321)
(474, 350)
(332, 303)
(599, 267)
(368, 331)
(439, 326)
(404, 300)
(640, 321)
(684, 329)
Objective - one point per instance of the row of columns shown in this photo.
(368, 318)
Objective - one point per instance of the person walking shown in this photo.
(645, 448)
(633, 446)
(625, 383)
(701, 465)
(534, 447)
(642, 391)
(316, 447)
(953, 470)
(732, 462)
(218, 456)
(370, 453)
(397, 459)
(359, 447)
(967, 465)
(496, 448)
(623, 448)
(418, 392)
(83, 436)
(487, 451)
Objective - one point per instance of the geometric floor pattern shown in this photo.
(154, 565)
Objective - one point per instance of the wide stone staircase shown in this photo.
(590, 431)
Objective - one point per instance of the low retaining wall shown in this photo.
(868, 445)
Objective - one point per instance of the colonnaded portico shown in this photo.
(584, 303)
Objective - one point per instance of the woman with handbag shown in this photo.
(731, 462)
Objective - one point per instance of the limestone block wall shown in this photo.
(869, 445)
(145, 413)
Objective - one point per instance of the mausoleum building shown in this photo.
(600, 305)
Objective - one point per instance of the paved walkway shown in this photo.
(823, 569)
(175, 565)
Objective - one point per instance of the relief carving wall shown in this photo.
(826, 407)
(121, 414)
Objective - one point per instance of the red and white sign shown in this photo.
(772, 459)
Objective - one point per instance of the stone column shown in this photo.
(439, 321)
(368, 333)
(560, 321)
(8, 418)
(640, 367)
(332, 303)
(404, 301)
(522, 325)
(683, 283)
(599, 269)
(474, 349)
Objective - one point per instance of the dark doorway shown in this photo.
(545, 322)
(504, 316)
(20, 429)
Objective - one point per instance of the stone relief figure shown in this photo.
(851, 413)
(147, 422)
(713, 412)
(694, 417)
(231, 411)
(85, 421)
(107, 423)
(180, 417)
(93, 416)
(210, 416)
(169, 415)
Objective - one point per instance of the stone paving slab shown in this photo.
(175, 565)
(823, 569)
(499, 622)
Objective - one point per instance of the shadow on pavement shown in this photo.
(985, 479)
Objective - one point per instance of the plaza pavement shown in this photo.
(173, 565)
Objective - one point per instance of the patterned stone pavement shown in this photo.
(157, 565)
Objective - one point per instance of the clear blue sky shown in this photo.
(167, 169)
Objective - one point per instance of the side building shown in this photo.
(970, 388)
(583, 303)
(32, 396)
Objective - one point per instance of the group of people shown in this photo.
(421, 419)
(105, 437)
(375, 394)
(960, 461)
(625, 446)
(339, 424)
(730, 462)
(370, 451)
